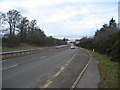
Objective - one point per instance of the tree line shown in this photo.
(18, 29)
(105, 41)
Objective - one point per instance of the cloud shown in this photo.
(65, 17)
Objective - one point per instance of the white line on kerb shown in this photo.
(10, 67)
(80, 75)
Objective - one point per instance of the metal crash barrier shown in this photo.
(12, 54)
(6, 55)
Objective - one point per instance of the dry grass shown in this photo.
(22, 46)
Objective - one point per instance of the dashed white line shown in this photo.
(72, 57)
(13, 65)
(20, 57)
(4, 60)
(43, 57)
(10, 67)
(66, 64)
(63, 67)
(56, 74)
(68, 61)
(47, 84)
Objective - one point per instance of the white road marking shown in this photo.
(66, 64)
(75, 83)
(4, 60)
(68, 61)
(47, 84)
(72, 57)
(10, 67)
(63, 67)
(56, 74)
(19, 57)
(13, 65)
(43, 57)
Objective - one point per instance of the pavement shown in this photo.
(91, 77)
(50, 68)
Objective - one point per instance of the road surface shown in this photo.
(50, 68)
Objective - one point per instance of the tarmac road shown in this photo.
(51, 68)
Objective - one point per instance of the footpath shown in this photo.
(91, 77)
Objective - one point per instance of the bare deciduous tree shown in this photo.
(12, 17)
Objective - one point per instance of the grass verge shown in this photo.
(108, 72)
(23, 46)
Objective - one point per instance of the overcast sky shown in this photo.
(65, 18)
